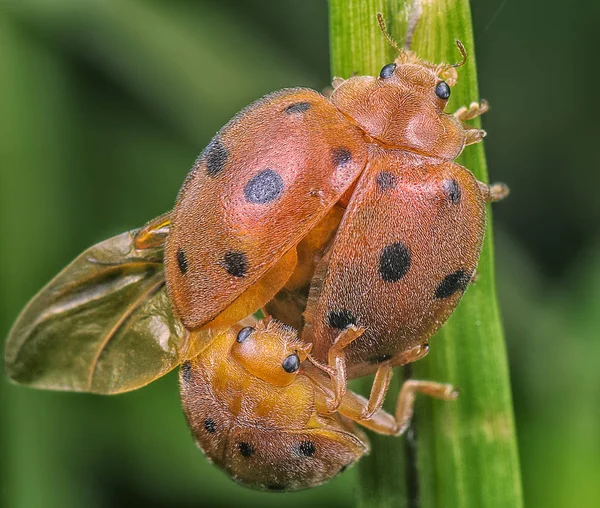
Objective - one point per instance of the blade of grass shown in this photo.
(461, 454)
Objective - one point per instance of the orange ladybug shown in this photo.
(258, 410)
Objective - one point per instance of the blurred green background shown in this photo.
(106, 104)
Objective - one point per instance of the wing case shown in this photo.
(405, 252)
(259, 187)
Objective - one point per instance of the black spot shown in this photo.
(210, 425)
(307, 448)
(276, 487)
(442, 90)
(235, 263)
(245, 449)
(186, 371)
(387, 71)
(452, 190)
(215, 156)
(380, 358)
(291, 363)
(264, 187)
(341, 157)
(457, 281)
(340, 319)
(244, 333)
(182, 261)
(298, 107)
(386, 180)
(394, 262)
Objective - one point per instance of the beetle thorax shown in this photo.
(402, 110)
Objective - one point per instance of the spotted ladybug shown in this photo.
(258, 409)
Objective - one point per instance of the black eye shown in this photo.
(291, 363)
(244, 333)
(387, 71)
(442, 90)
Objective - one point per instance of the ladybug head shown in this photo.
(404, 106)
(270, 351)
(442, 73)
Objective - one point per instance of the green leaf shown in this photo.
(102, 325)
(464, 453)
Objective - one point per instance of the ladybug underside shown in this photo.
(264, 437)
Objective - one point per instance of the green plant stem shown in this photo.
(463, 453)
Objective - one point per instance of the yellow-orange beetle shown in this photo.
(258, 410)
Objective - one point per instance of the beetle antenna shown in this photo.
(463, 52)
(386, 34)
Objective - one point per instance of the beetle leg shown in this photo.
(473, 136)
(337, 81)
(474, 110)
(328, 91)
(412, 355)
(383, 377)
(406, 399)
(353, 406)
(154, 233)
(494, 192)
(380, 386)
(337, 364)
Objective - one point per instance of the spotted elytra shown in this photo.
(258, 409)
